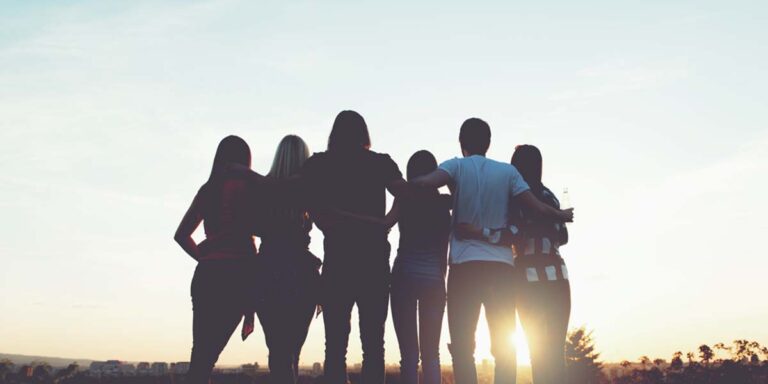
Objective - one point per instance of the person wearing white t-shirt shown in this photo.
(481, 273)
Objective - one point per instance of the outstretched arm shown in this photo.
(506, 237)
(388, 221)
(189, 223)
(527, 199)
(434, 179)
(398, 187)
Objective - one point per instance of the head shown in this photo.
(527, 159)
(291, 154)
(475, 137)
(420, 164)
(349, 132)
(232, 150)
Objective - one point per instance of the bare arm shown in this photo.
(398, 187)
(527, 199)
(188, 225)
(388, 221)
(434, 179)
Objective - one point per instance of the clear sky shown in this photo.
(652, 114)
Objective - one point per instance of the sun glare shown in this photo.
(483, 340)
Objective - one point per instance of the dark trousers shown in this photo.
(218, 288)
(285, 324)
(544, 308)
(289, 290)
(355, 275)
(470, 286)
(412, 295)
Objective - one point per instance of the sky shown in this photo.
(652, 114)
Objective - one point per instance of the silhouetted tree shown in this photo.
(6, 367)
(66, 373)
(581, 358)
(706, 354)
(677, 361)
(41, 371)
(644, 361)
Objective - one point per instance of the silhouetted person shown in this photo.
(288, 272)
(418, 274)
(352, 178)
(482, 274)
(544, 294)
(220, 285)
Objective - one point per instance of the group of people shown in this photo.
(501, 226)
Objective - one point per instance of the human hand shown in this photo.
(567, 215)
(467, 231)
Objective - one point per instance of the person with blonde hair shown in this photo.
(288, 274)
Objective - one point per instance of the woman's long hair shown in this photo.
(349, 133)
(232, 150)
(290, 156)
(528, 161)
(421, 163)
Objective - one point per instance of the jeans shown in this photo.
(410, 293)
(544, 308)
(470, 285)
(355, 275)
(218, 290)
(289, 282)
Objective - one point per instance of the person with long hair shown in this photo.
(288, 272)
(350, 177)
(225, 258)
(544, 293)
(544, 297)
(418, 273)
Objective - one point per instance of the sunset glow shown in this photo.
(651, 114)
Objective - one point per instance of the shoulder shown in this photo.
(451, 165)
(380, 157)
(548, 197)
(317, 156)
(314, 161)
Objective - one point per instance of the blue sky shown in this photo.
(652, 114)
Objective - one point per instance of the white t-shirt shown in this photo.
(483, 190)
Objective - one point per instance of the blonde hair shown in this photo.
(291, 154)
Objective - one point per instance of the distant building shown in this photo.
(317, 369)
(159, 369)
(180, 368)
(143, 369)
(250, 369)
(128, 369)
(110, 368)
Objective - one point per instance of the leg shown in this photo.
(431, 311)
(529, 307)
(215, 317)
(303, 314)
(211, 329)
(337, 310)
(404, 319)
(463, 313)
(499, 304)
(275, 320)
(556, 313)
(544, 309)
(373, 306)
